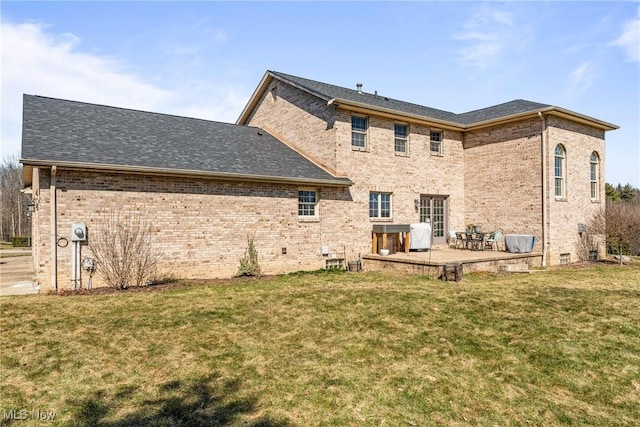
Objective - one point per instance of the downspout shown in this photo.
(54, 234)
(544, 189)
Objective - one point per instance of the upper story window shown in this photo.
(359, 126)
(401, 141)
(435, 142)
(559, 171)
(379, 205)
(308, 203)
(594, 172)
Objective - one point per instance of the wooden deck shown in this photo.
(431, 262)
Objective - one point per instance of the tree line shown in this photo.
(13, 217)
(620, 193)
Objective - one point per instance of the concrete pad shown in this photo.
(16, 273)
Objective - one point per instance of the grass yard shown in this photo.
(559, 347)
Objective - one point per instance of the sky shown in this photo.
(205, 59)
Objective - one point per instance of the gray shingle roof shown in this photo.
(327, 91)
(502, 110)
(64, 131)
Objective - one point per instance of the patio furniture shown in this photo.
(519, 243)
(460, 240)
(493, 242)
(468, 240)
(381, 232)
(452, 239)
(477, 242)
(420, 236)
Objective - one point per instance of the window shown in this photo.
(401, 144)
(559, 171)
(307, 203)
(379, 205)
(435, 138)
(565, 258)
(359, 128)
(594, 172)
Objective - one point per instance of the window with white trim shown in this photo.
(307, 203)
(594, 172)
(359, 126)
(401, 139)
(435, 142)
(559, 170)
(379, 205)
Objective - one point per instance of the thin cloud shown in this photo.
(629, 39)
(220, 37)
(38, 61)
(580, 80)
(488, 34)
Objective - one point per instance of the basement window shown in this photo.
(565, 258)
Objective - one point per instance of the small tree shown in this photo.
(249, 265)
(620, 223)
(124, 249)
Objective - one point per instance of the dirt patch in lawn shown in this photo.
(159, 287)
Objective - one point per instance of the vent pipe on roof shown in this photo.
(359, 86)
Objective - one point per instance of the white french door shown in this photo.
(435, 209)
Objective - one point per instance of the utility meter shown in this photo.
(88, 264)
(78, 232)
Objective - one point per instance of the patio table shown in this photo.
(380, 232)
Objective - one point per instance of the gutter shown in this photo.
(225, 176)
(363, 107)
(54, 233)
(556, 111)
(544, 188)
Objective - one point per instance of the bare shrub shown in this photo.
(620, 222)
(125, 249)
(586, 243)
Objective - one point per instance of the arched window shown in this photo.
(559, 172)
(594, 172)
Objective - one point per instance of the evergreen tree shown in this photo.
(611, 193)
(628, 193)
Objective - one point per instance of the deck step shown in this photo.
(515, 268)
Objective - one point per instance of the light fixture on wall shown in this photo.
(581, 229)
(416, 204)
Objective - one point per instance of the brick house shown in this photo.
(308, 169)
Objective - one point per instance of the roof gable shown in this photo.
(69, 132)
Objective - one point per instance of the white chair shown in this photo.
(493, 242)
(453, 239)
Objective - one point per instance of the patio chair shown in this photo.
(478, 242)
(493, 242)
(452, 239)
(460, 240)
(468, 241)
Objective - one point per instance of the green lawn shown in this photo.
(558, 347)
